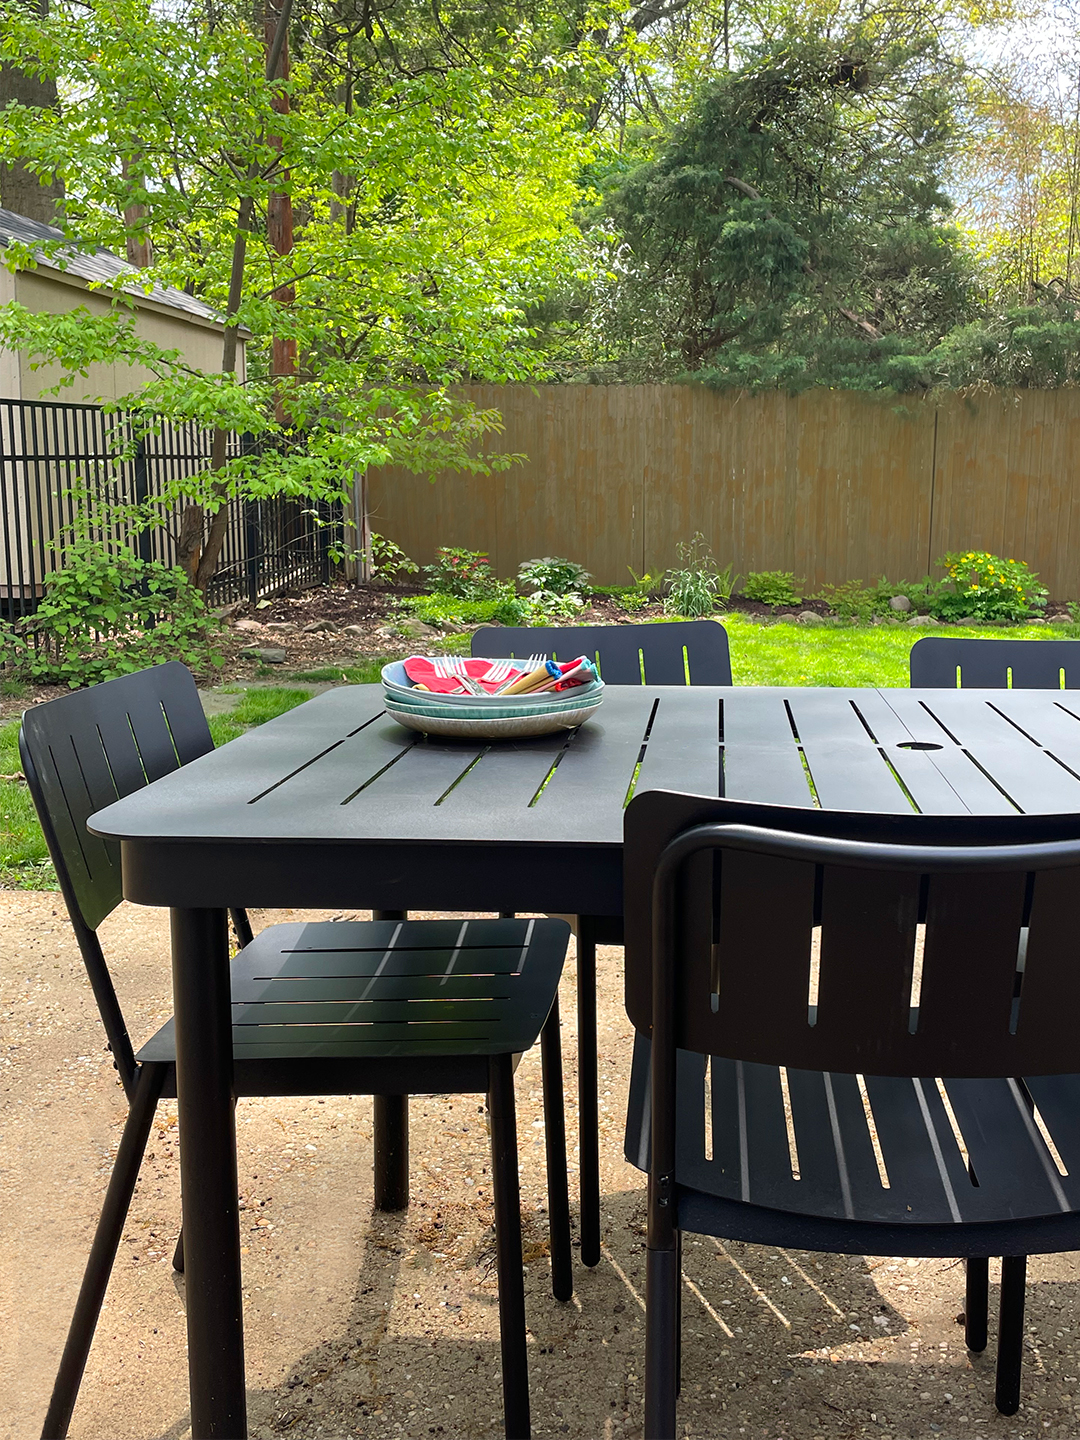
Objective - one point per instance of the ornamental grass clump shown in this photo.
(982, 586)
(696, 587)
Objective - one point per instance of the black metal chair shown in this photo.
(800, 975)
(944, 662)
(345, 1008)
(685, 652)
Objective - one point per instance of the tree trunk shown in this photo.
(199, 559)
(20, 189)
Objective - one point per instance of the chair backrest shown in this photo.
(686, 652)
(882, 945)
(85, 750)
(946, 662)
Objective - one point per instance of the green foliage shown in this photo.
(696, 587)
(554, 575)
(388, 561)
(24, 858)
(505, 606)
(464, 573)
(364, 672)
(921, 594)
(986, 587)
(549, 606)
(799, 207)
(262, 703)
(772, 587)
(107, 613)
(850, 601)
(432, 205)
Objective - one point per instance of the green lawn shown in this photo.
(761, 654)
(786, 654)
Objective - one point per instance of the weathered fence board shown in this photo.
(831, 485)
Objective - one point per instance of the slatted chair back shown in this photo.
(686, 652)
(79, 754)
(896, 945)
(947, 662)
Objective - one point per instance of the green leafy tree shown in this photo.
(430, 207)
(799, 215)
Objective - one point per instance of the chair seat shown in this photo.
(919, 1175)
(388, 989)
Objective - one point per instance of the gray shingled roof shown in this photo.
(96, 266)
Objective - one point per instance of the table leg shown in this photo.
(391, 1127)
(204, 1078)
(588, 1097)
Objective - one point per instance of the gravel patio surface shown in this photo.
(365, 1325)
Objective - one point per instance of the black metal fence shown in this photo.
(51, 452)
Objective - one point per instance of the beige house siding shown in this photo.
(29, 518)
(42, 290)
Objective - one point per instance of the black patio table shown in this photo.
(334, 804)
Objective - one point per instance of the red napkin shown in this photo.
(421, 671)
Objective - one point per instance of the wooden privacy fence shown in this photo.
(831, 485)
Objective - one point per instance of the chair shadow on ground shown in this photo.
(768, 1344)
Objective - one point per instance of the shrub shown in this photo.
(921, 593)
(554, 576)
(464, 573)
(505, 606)
(697, 587)
(388, 561)
(772, 587)
(547, 605)
(985, 587)
(850, 601)
(106, 614)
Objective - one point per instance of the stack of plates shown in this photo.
(490, 716)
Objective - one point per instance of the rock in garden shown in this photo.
(268, 654)
(810, 617)
(327, 626)
(899, 602)
(970, 620)
(280, 625)
(1060, 620)
(416, 630)
(920, 621)
(1037, 621)
(353, 630)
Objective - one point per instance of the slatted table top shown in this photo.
(338, 771)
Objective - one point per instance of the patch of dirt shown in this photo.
(368, 1325)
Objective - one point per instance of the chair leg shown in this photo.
(504, 1174)
(662, 1286)
(588, 1097)
(562, 1275)
(178, 1253)
(1010, 1356)
(110, 1228)
(242, 927)
(678, 1315)
(391, 1126)
(976, 1302)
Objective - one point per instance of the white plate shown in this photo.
(516, 729)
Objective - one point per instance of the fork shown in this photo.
(530, 664)
(448, 667)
